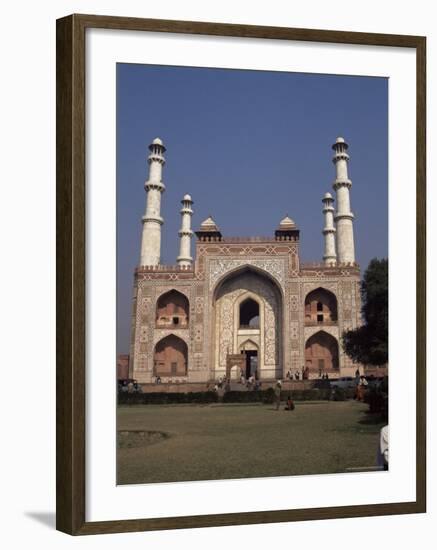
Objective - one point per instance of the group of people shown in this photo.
(224, 383)
(129, 386)
(251, 383)
(302, 374)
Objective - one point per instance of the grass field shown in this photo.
(158, 443)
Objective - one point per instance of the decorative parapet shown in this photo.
(322, 265)
(161, 267)
(164, 272)
(254, 239)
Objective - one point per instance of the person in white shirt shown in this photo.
(382, 458)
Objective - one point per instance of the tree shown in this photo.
(368, 344)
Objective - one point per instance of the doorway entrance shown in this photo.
(251, 363)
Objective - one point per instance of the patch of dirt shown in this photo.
(128, 439)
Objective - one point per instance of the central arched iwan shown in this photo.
(248, 305)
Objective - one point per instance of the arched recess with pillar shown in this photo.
(322, 353)
(170, 357)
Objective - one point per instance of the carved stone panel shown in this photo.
(219, 267)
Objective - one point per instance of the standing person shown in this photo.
(361, 388)
(278, 394)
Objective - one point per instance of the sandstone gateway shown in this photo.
(244, 304)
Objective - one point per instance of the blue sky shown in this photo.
(250, 147)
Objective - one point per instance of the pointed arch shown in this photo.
(244, 268)
(231, 290)
(249, 345)
(170, 357)
(321, 307)
(249, 311)
(322, 353)
(172, 309)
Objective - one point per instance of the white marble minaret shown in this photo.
(184, 259)
(330, 256)
(152, 220)
(344, 217)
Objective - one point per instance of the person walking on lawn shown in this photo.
(278, 394)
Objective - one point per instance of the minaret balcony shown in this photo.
(340, 156)
(342, 183)
(157, 219)
(344, 216)
(154, 184)
(156, 157)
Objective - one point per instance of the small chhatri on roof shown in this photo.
(287, 223)
(209, 224)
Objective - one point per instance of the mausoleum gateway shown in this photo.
(244, 304)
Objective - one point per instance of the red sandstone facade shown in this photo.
(249, 296)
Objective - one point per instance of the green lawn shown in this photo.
(160, 443)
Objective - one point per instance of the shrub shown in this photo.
(269, 395)
(255, 396)
(322, 384)
(377, 399)
(339, 394)
(163, 398)
(252, 396)
(313, 394)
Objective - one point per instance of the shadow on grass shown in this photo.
(128, 439)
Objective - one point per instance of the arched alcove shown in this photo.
(171, 357)
(321, 353)
(320, 307)
(172, 310)
(249, 314)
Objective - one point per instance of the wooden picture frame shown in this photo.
(71, 254)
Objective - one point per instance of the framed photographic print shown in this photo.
(240, 274)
